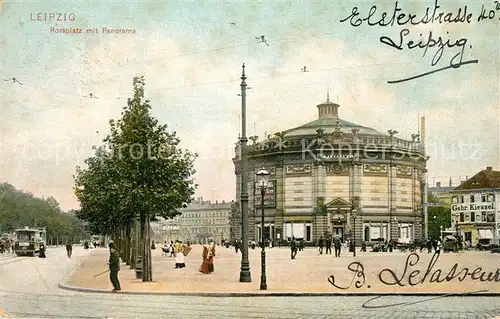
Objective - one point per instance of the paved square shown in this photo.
(308, 273)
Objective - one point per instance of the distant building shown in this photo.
(474, 207)
(204, 219)
(441, 193)
(198, 222)
(165, 230)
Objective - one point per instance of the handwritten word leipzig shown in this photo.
(414, 277)
(431, 15)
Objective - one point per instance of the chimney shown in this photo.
(216, 202)
(489, 169)
(450, 182)
(438, 184)
(223, 201)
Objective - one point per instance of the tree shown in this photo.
(140, 173)
(437, 216)
(19, 209)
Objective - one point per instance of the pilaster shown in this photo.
(280, 201)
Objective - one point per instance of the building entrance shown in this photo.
(338, 230)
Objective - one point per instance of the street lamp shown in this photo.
(262, 182)
(441, 231)
(354, 215)
(245, 275)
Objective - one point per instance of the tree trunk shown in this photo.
(128, 244)
(146, 250)
(133, 248)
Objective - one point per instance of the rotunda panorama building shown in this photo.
(333, 177)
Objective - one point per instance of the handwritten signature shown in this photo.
(416, 277)
(432, 15)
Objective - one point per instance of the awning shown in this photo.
(485, 233)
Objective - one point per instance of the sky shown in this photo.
(191, 56)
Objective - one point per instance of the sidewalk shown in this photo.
(308, 274)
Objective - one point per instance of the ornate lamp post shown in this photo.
(354, 215)
(262, 182)
(245, 275)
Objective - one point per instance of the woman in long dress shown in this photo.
(208, 255)
(179, 255)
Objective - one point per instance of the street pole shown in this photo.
(263, 283)
(354, 239)
(245, 275)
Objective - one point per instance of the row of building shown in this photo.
(197, 223)
(474, 206)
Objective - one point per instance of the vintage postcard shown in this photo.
(249, 159)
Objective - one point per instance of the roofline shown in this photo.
(476, 190)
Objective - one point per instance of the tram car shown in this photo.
(28, 241)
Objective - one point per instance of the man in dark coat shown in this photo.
(321, 244)
(293, 248)
(337, 244)
(114, 267)
(69, 248)
(328, 245)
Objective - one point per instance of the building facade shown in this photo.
(474, 208)
(165, 230)
(441, 193)
(197, 222)
(334, 177)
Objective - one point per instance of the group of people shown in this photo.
(177, 250)
(327, 244)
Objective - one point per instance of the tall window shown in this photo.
(472, 197)
(308, 232)
(472, 216)
(483, 217)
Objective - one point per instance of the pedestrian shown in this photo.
(207, 265)
(171, 249)
(293, 248)
(179, 255)
(328, 245)
(337, 244)
(302, 245)
(69, 249)
(321, 244)
(236, 245)
(41, 254)
(114, 267)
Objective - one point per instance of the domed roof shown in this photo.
(328, 125)
(328, 121)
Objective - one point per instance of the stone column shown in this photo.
(323, 223)
(251, 204)
(280, 201)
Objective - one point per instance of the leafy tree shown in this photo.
(19, 209)
(437, 216)
(139, 172)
